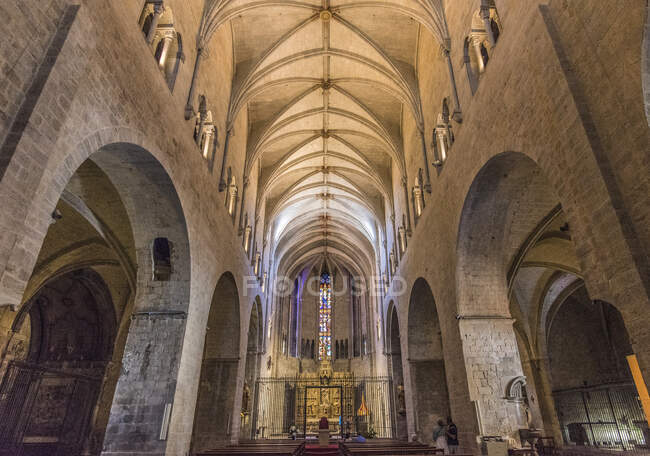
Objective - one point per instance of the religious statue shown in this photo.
(245, 401)
(401, 400)
(324, 408)
(529, 416)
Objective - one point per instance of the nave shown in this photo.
(324, 227)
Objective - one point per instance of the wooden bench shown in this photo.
(386, 448)
(266, 448)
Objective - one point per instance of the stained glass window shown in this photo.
(325, 318)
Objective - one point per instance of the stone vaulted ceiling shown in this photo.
(325, 85)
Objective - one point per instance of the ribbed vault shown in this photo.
(325, 86)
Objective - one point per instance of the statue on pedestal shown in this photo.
(245, 401)
(401, 400)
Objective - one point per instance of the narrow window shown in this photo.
(325, 318)
(162, 266)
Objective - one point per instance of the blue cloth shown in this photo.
(359, 439)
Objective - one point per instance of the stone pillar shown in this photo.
(457, 115)
(222, 181)
(207, 142)
(427, 184)
(485, 15)
(406, 198)
(471, 77)
(476, 44)
(491, 362)
(189, 107)
(203, 113)
(243, 202)
(145, 390)
(395, 244)
(539, 370)
(167, 42)
(157, 12)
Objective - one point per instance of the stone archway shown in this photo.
(507, 201)
(252, 369)
(149, 245)
(587, 345)
(52, 381)
(215, 413)
(427, 366)
(512, 232)
(397, 372)
(161, 302)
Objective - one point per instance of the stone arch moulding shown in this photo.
(15, 272)
(426, 365)
(506, 183)
(222, 363)
(157, 325)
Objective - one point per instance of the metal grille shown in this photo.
(281, 402)
(608, 416)
(24, 393)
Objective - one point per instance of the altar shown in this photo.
(323, 401)
(324, 397)
(365, 403)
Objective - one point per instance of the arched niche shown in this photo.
(215, 403)
(587, 345)
(51, 383)
(426, 360)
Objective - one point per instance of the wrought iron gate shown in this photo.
(608, 416)
(44, 411)
(280, 403)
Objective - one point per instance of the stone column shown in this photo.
(158, 9)
(406, 199)
(485, 15)
(203, 112)
(167, 42)
(491, 362)
(457, 115)
(222, 181)
(540, 369)
(427, 184)
(395, 245)
(189, 107)
(476, 44)
(243, 202)
(208, 141)
(145, 390)
(471, 77)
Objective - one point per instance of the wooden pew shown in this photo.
(265, 448)
(385, 448)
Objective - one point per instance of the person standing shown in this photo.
(452, 436)
(440, 436)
